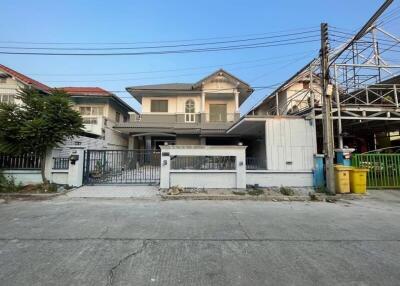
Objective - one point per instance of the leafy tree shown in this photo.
(40, 123)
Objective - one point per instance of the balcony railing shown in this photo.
(220, 117)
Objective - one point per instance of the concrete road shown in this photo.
(69, 241)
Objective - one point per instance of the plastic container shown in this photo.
(358, 180)
(342, 179)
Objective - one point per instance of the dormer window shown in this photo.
(190, 111)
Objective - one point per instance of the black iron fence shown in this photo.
(61, 163)
(203, 163)
(122, 167)
(253, 163)
(25, 161)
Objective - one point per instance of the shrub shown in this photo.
(286, 191)
(8, 185)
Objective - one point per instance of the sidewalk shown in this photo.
(129, 191)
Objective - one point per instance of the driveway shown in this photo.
(68, 241)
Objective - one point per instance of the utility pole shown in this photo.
(327, 111)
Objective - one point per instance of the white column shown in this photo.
(75, 171)
(203, 102)
(165, 168)
(241, 169)
(236, 101)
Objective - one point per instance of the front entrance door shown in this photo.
(217, 112)
(122, 167)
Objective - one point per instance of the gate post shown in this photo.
(165, 169)
(75, 169)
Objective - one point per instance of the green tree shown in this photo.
(40, 123)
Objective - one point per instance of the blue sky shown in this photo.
(141, 21)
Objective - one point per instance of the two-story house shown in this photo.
(186, 113)
(11, 81)
(101, 110)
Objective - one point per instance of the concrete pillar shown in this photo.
(241, 169)
(148, 143)
(75, 171)
(48, 165)
(203, 102)
(165, 168)
(203, 141)
(131, 143)
(236, 101)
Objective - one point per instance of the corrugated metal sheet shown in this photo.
(290, 144)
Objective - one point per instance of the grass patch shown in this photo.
(239, 193)
(255, 192)
(8, 184)
(286, 191)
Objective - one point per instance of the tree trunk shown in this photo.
(43, 168)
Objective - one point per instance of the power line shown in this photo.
(153, 42)
(170, 46)
(172, 70)
(226, 48)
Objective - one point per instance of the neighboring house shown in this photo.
(11, 81)
(101, 110)
(292, 97)
(186, 113)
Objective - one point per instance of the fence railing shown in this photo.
(253, 163)
(384, 169)
(25, 161)
(61, 163)
(203, 163)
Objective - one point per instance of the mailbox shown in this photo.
(73, 158)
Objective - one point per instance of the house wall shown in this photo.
(11, 86)
(290, 144)
(187, 140)
(25, 177)
(277, 179)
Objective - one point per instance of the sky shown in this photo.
(159, 22)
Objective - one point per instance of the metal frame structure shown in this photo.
(364, 79)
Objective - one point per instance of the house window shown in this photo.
(159, 105)
(117, 116)
(218, 113)
(125, 118)
(91, 110)
(189, 111)
(3, 79)
(7, 98)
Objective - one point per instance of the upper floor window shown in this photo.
(189, 111)
(117, 116)
(7, 98)
(159, 105)
(3, 79)
(90, 110)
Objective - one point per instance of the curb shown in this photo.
(318, 198)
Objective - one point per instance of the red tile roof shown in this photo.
(86, 91)
(26, 80)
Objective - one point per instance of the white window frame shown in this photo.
(190, 108)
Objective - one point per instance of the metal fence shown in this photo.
(25, 161)
(122, 167)
(253, 163)
(384, 169)
(61, 163)
(203, 163)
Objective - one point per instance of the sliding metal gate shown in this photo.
(122, 167)
(383, 169)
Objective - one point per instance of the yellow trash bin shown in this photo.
(358, 180)
(342, 178)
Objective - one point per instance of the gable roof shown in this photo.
(25, 79)
(72, 90)
(94, 92)
(185, 88)
(218, 72)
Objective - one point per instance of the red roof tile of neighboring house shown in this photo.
(86, 91)
(26, 80)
